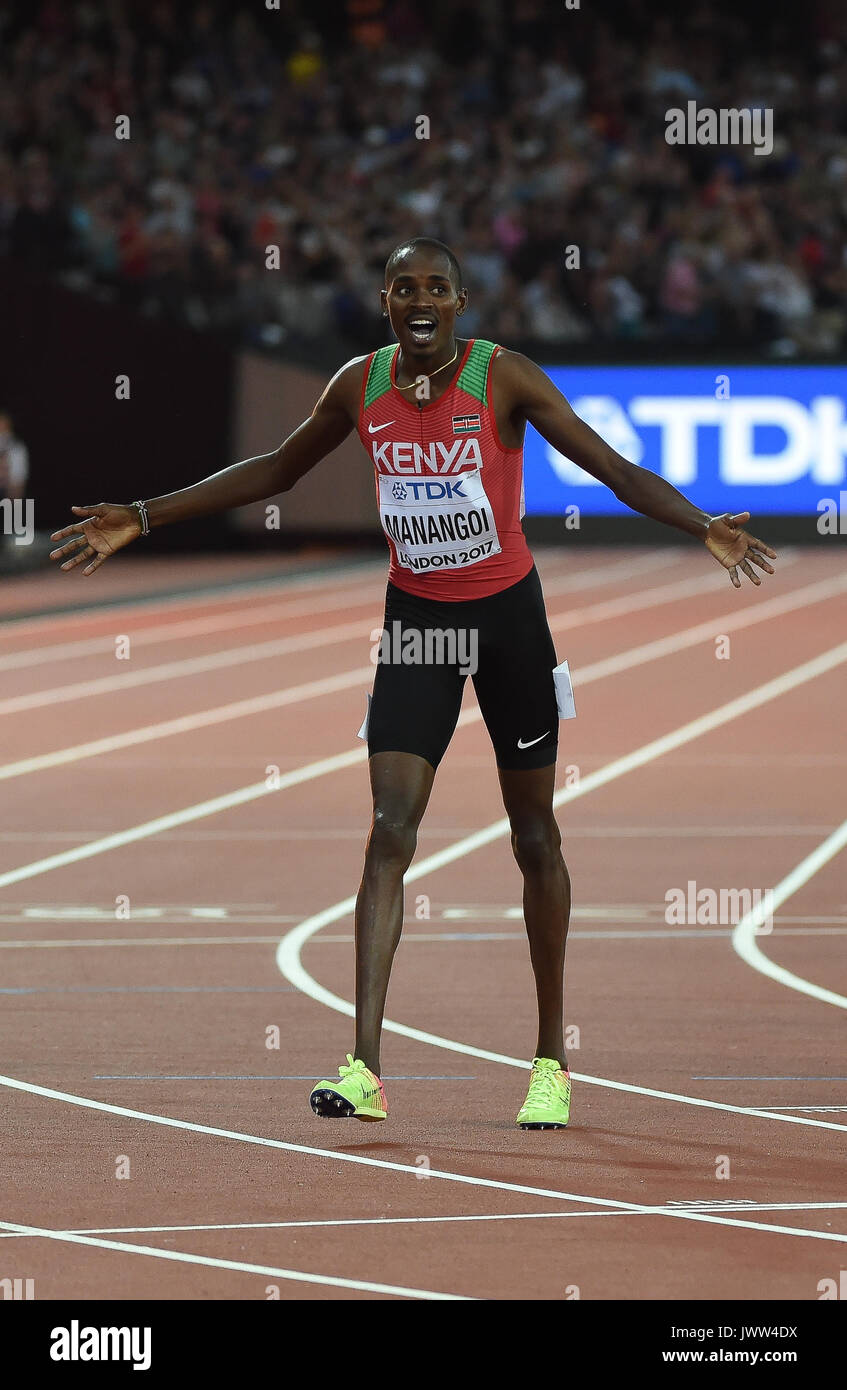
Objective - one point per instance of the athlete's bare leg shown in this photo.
(536, 842)
(401, 784)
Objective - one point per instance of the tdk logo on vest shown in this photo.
(393, 457)
(433, 492)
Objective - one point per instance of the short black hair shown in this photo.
(424, 243)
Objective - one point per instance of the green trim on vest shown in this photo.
(473, 377)
(379, 374)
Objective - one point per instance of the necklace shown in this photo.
(431, 374)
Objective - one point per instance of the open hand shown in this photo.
(107, 527)
(736, 549)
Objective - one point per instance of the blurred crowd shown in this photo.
(528, 135)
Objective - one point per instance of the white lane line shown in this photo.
(189, 723)
(436, 1220)
(254, 705)
(261, 704)
(707, 631)
(360, 629)
(190, 813)
(288, 953)
(104, 645)
(695, 587)
(281, 609)
(334, 832)
(182, 1257)
(463, 1179)
(678, 1214)
(344, 632)
(354, 1221)
(315, 638)
(183, 724)
(273, 586)
(346, 938)
(744, 938)
(598, 576)
(190, 666)
(291, 945)
(642, 756)
(144, 941)
(289, 949)
(704, 933)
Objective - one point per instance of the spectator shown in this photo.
(302, 129)
(14, 472)
(14, 460)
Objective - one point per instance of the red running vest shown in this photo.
(450, 496)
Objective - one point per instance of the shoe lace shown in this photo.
(352, 1066)
(542, 1087)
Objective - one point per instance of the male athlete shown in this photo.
(443, 420)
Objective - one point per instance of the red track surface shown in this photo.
(166, 1013)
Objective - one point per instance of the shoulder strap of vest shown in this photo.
(473, 377)
(379, 374)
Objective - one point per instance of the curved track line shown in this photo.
(288, 952)
(744, 938)
(291, 945)
(465, 1179)
(290, 965)
(181, 1257)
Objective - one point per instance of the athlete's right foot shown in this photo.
(359, 1094)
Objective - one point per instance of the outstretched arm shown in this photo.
(108, 526)
(533, 396)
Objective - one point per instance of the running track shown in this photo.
(180, 837)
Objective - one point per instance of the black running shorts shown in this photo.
(427, 649)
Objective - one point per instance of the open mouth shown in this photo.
(422, 330)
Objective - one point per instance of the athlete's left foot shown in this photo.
(548, 1100)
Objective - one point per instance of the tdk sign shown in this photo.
(769, 438)
(429, 491)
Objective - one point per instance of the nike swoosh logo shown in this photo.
(533, 741)
(372, 429)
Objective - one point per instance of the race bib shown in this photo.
(438, 523)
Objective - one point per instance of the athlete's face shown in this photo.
(422, 302)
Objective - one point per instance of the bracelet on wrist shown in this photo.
(144, 519)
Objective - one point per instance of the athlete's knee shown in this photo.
(536, 842)
(393, 838)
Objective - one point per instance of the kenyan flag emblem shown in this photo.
(466, 424)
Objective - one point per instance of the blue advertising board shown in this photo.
(767, 439)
